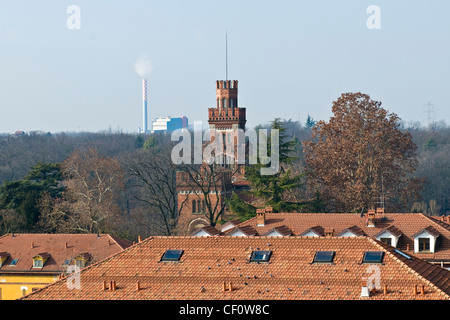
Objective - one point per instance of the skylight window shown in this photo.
(373, 257)
(172, 255)
(403, 254)
(324, 257)
(14, 262)
(66, 262)
(260, 256)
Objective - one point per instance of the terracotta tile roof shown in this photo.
(43, 255)
(408, 224)
(208, 264)
(56, 248)
(357, 231)
(282, 230)
(318, 230)
(208, 229)
(430, 230)
(230, 224)
(392, 230)
(247, 230)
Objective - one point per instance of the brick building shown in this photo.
(218, 180)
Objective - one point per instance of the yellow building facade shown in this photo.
(14, 286)
(31, 261)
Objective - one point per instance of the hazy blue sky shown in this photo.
(292, 58)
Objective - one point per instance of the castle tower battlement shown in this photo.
(227, 114)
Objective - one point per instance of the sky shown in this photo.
(65, 72)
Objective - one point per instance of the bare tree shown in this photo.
(93, 186)
(211, 185)
(153, 177)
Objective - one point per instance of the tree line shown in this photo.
(124, 184)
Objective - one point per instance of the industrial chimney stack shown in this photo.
(144, 105)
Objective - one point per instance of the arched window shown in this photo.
(199, 208)
(194, 206)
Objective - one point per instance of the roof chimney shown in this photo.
(65, 245)
(227, 286)
(371, 218)
(260, 217)
(365, 292)
(328, 232)
(380, 213)
(32, 245)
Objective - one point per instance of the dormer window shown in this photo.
(354, 231)
(82, 259)
(316, 231)
(425, 240)
(3, 257)
(40, 259)
(80, 263)
(38, 263)
(389, 236)
(424, 245)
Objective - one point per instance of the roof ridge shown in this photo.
(388, 249)
(437, 222)
(5, 235)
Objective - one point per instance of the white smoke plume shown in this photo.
(143, 66)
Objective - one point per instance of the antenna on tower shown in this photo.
(226, 55)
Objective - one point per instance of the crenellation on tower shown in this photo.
(227, 111)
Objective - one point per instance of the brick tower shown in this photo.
(223, 121)
(226, 115)
(226, 118)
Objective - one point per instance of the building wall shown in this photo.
(169, 124)
(190, 221)
(15, 286)
(310, 234)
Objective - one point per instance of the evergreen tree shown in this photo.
(310, 122)
(23, 196)
(272, 188)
